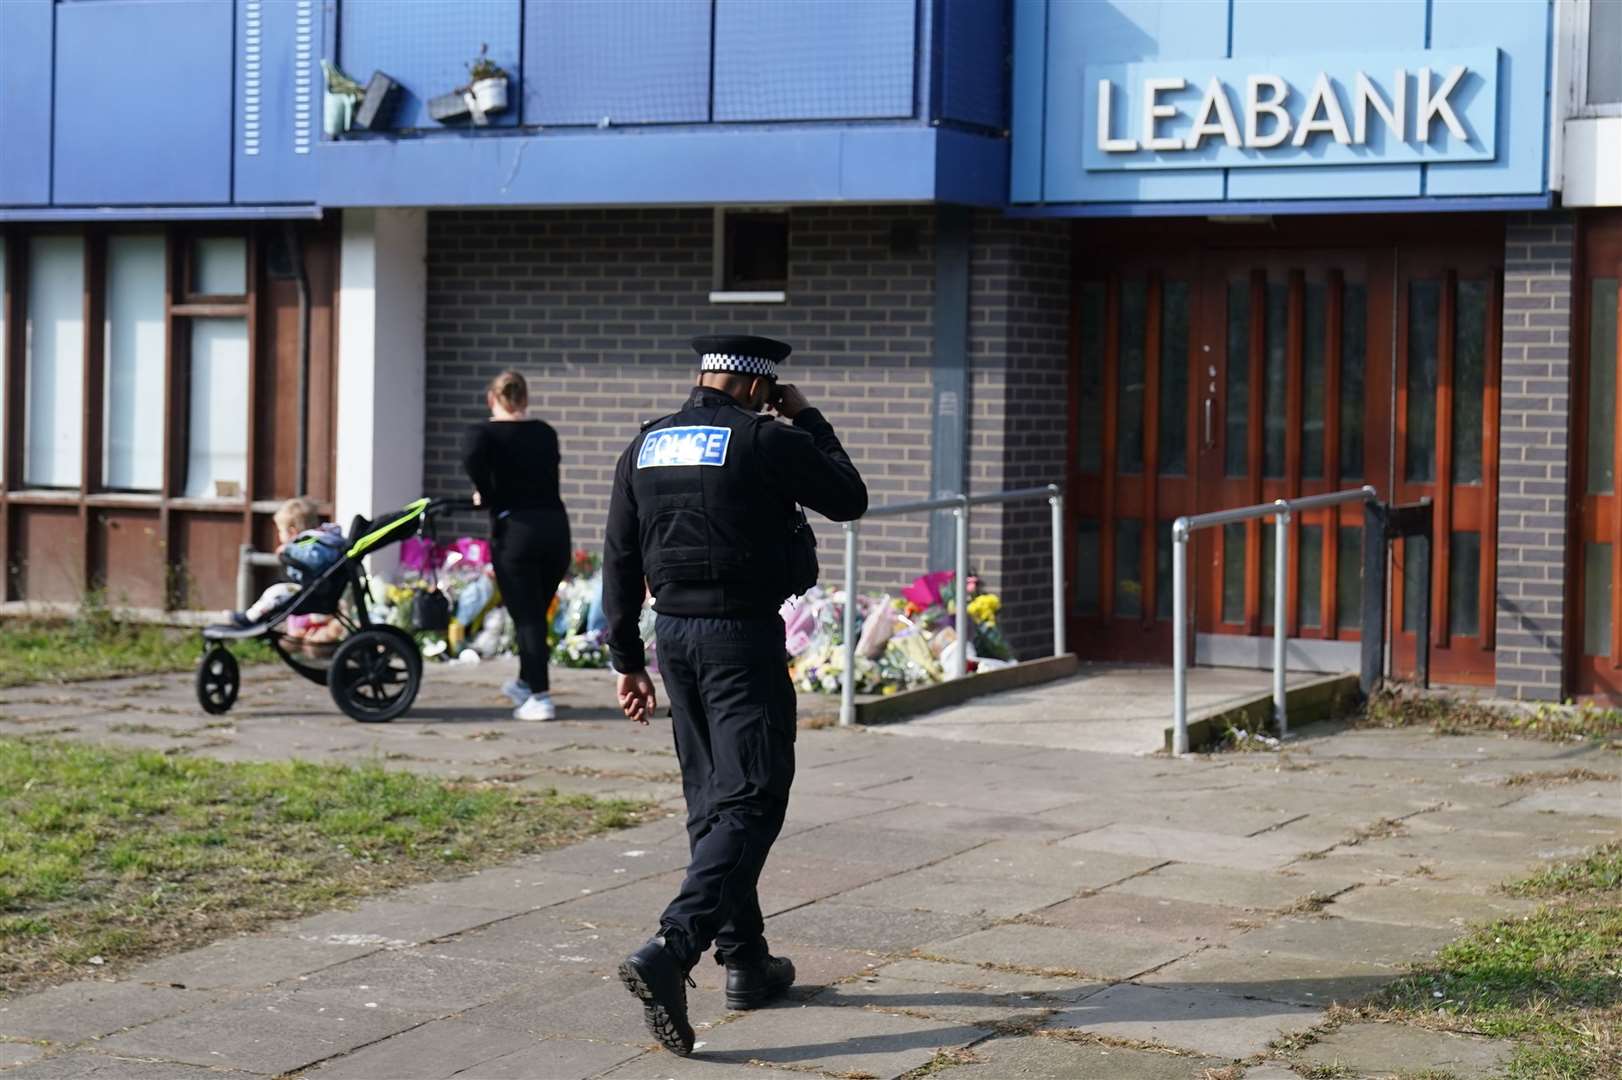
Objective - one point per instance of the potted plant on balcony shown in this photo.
(489, 85)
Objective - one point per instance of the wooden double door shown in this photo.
(1226, 377)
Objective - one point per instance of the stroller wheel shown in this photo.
(375, 674)
(218, 680)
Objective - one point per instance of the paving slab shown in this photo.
(89, 1010)
(658, 1065)
(394, 923)
(1146, 917)
(1037, 861)
(87, 1066)
(602, 1010)
(1246, 890)
(814, 968)
(967, 822)
(989, 980)
(1385, 944)
(852, 842)
(1294, 980)
(250, 961)
(1599, 797)
(934, 889)
(1271, 1071)
(504, 889)
(835, 1039)
(562, 1059)
(1221, 1025)
(1398, 1048)
(267, 1033)
(413, 980)
(14, 1054)
(545, 943)
(1266, 852)
(435, 1051)
(838, 925)
(1047, 1057)
(1103, 955)
(1422, 905)
(615, 857)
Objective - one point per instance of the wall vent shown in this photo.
(303, 76)
(253, 74)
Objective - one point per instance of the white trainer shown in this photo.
(538, 707)
(517, 690)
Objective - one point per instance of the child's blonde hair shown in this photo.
(296, 515)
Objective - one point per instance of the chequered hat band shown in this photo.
(745, 365)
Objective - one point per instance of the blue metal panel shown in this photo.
(661, 61)
(143, 102)
(1520, 29)
(1481, 204)
(278, 101)
(1264, 29)
(25, 104)
(758, 165)
(831, 60)
(282, 212)
(971, 49)
(970, 169)
(1119, 31)
(1030, 105)
(426, 46)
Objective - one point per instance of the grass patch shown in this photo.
(1551, 979)
(117, 855)
(96, 644)
(1399, 707)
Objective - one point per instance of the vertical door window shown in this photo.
(1601, 443)
(1469, 380)
(1309, 576)
(1349, 579)
(1275, 409)
(1129, 422)
(1233, 573)
(1414, 554)
(1090, 411)
(1464, 577)
(1353, 375)
(1163, 552)
(1128, 569)
(55, 359)
(1596, 599)
(1087, 568)
(219, 266)
(1424, 333)
(1313, 383)
(1269, 549)
(135, 352)
(217, 451)
(1236, 452)
(1173, 390)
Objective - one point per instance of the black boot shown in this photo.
(659, 980)
(758, 981)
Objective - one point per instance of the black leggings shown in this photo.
(530, 549)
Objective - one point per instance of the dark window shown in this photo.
(755, 256)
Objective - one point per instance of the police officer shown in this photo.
(705, 508)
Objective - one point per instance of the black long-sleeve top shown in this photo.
(804, 462)
(513, 464)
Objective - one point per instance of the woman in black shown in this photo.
(513, 463)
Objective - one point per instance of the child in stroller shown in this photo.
(307, 546)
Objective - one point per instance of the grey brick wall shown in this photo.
(596, 306)
(1535, 449)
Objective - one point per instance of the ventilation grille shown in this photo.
(252, 75)
(303, 75)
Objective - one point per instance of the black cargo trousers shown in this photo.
(733, 713)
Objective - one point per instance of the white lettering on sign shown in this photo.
(1275, 114)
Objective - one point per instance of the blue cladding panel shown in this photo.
(143, 102)
(278, 110)
(426, 46)
(25, 116)
(830, 60)
(1030, 84)
(661, 61)
(973, 55)
(1265, 29)
(1120, 31)
(1520, 30)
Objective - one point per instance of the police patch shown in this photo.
(684, 446)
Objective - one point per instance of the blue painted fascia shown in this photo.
(45, 214)
(866, 163)
(1281, 207)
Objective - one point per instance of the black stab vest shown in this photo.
(714, 535)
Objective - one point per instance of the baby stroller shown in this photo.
(375, 671)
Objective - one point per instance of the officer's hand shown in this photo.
(789, 402)
(637, 698)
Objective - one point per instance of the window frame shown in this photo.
(1577, 37)
(721, 286)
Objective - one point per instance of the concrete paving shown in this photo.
(1008, 888)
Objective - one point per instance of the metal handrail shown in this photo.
(1279, 510)
(959, 504)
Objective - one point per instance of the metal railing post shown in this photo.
(1281, 595)
(1056, 503)
(960, 590)
(847, 689)
(244, 576)
(1179, 636)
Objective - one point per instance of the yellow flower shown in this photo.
(984, 608)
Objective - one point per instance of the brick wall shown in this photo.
(1019, 341)
(596, 308)
(1535, 450)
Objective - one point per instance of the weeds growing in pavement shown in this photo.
(1402, 707)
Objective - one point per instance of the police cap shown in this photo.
(745, 354)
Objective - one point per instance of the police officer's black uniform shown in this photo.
(704, 503)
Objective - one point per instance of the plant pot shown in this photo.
(377, 107)
(490, 94)
(447, 107)
(336, 112)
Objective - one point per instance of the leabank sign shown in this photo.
(1343, 109)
